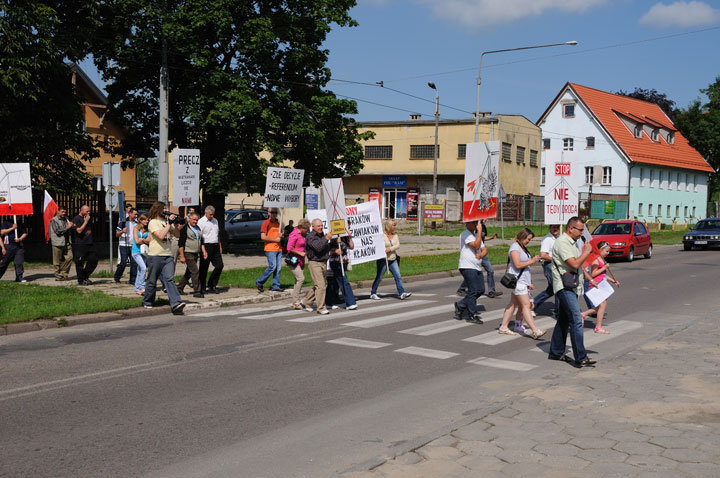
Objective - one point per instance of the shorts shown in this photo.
(521, 289)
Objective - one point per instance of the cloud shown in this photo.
(487, 13)
(681, 14)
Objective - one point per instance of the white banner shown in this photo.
(283, 187)
(562, 178)
(15, 189)
(480, 192)
(186, 177)
(365, 227)
(334, 195)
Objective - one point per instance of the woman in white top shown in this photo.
(520, 262)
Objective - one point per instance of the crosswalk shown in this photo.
(421, 307)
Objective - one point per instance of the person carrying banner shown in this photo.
(61, 244)
(124, 234)
(472, 250)
(317, 250)
(391, 261)
(338, 252)
(13, 235)
(212, 251)
(83, 246)
(489, 271)
(271, 234)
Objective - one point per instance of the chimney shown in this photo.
(415, 116)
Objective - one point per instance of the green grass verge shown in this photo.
(26, 302)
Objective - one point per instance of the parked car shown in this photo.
(705, 233)
(243, 225)
(626, 238)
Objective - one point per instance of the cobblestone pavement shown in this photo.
(652, 412)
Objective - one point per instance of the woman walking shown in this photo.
(140, 239)
(598, 270)
(392, 244)
(295, 259)
(519, 265)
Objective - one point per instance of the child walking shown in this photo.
(598, 270)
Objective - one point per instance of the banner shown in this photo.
(283, 187)
(186, 177)
(365, 227)
(375, 195)
(15, 189)
(562, 177)
(434, 213)
(334, 195)
(481, 181)
(412, 203)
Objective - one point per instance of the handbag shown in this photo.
(569, 279)
(509, 279)
(291, 260)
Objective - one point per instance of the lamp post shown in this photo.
(477, 105)
(437, 122)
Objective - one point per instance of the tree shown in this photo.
(700, 124)
(245, 77)
(652, 96)
(146, 178)
(41, 120)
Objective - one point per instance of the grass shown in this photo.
(510, 231)
(26, 302)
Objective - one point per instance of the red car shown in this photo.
(626, 238)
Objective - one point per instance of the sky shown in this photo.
(622, 44)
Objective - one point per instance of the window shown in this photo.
(423, 151)
(378, 152)
(652, 178)
(569, 110)
(533, 158)
(607, 175)
(258, 215)
(567, 144)
(677, 211)
(636, 229)
(642, 177)
(686, 208)
(640, 209)
(659, 213)
(681, 182)
(650, 209)
(690, 179)
(672, 180)
(589, 175)
(667, 212)
(662, 180)
(638, 131)
(462, 150)
(506, 151)
(641, 227)
(590, 142)
(542, 176)
(654, 135)
(671, 138)
(546, 143)
(697, 185)
(520, 155)
(693, 211)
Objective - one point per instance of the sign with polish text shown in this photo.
(334, 196)
(186, 177)
(561, 186)
(283, 187)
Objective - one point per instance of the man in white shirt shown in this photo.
(546, 247)
(211, 252)
(472, 250)
(124, 235)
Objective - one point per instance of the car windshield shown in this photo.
(706, 225)
(606, 229)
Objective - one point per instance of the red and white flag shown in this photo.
(49, 210)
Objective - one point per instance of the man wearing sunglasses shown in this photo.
(272, 235)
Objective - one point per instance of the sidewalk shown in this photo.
(652, 412)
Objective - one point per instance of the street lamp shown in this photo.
(437, 122)
(477, 105)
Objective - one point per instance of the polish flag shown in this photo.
(49, 210)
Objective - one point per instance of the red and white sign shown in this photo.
(480, 191)
(561, 186)
(49, 210)
(15, 189)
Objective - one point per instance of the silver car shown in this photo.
(243, 225)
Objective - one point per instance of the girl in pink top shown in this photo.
(598, 269)
(296, 259)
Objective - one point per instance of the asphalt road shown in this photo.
(265, 391)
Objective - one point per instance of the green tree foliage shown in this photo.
(41, 120)
(652, 96)
(146, 179)
(245, 77)
(700, 124)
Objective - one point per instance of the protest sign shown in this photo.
(311, 197)
(283, 187)
(15, 189)
(334, 195)
(186, 177)
(434, 213)
(562, 177)
(365, 226)
(481, 181)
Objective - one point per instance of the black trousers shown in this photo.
(85, 261)
(16, 254)
(215, 258)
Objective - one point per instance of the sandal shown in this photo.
(506, 332)
(600, 330)
(297, 306)
(587, 362)
(537, 334)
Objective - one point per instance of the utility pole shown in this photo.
(163, 169)
(435, 156)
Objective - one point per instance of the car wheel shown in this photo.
(648, 254)
(687, 247)
(631, 254)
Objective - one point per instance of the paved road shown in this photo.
(265, 391)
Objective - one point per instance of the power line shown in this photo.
(380, 104)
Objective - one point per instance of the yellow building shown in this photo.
(401, 156)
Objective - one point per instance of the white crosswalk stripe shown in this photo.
(291, 312)
(422, 294)
(504, 364)
(315, 317)
(229, 311)
(430, 353)
(591, 339)
(391, 319)
(436, 328)
(366, 344)
(494, 338)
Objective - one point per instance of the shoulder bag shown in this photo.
(509, 279)
(569, 279)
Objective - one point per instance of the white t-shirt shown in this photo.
(467, 253)
(547, 244)
(209, 229)
(524, 256)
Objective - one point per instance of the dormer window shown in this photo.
(671, 138)
(568, 110)
(654, 135)
(638, 131)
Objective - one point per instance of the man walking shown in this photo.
(83, 246)
(317, 252)
(567, 261)
(60, 228)
(13, 236)
(485, 263)
(190, 248)
(212, 251)
(271, 235)
(546, 247)
(472, 251)
(124, 233)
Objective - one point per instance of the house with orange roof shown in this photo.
(635, 163)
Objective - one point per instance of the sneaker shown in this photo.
(458, 312)
(279, 289)
(405, 295)
(491, 294)
(22, 281)
(178, 309)
(323, 312)
(375, 297)
(351, 307)
(475, 319)
(303, 306)
(147, 306)
(335, 307)
(260, 287)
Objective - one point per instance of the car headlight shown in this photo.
(618, 244)
(686, 237)
(716, 237)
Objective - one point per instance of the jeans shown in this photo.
(214, 257)
(274, 259)
(85, 261)
(139, 260)
(548, 292)
(473, 278)
(16, 254)
(125, 253)
(343, 284)
(161, 267)
(569, 319)
(394, 270)
(490, 272)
